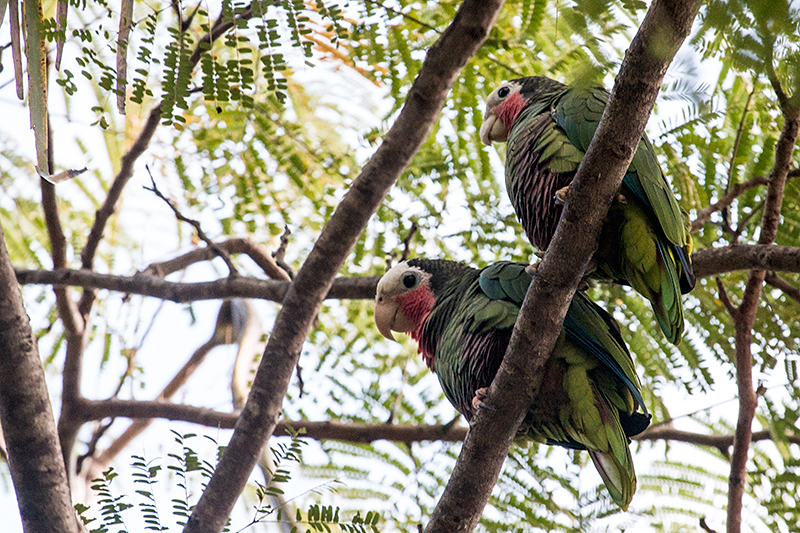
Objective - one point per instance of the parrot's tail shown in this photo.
(614, 463)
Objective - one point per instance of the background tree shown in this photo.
(248, 118)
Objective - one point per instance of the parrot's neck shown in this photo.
(510, 109)
(416, 306)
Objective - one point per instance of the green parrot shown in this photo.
(462, 319)
(645, 241)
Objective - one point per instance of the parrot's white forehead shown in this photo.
(494, 98)
(391, 284)
(510, 84)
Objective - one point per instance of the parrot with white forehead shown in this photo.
(462, 318)
(645, 241)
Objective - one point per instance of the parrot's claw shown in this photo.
(561, 195)
(621, 199)
(532, 268)
(477, 401)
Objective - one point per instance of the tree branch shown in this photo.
(439, 71)
(359, 288)
(35, 460)
(67, 309)
(709, 262)
(367, 433)
(238, 245)
(779, 283)
(715, 261)
(664, 28)
(744, 317)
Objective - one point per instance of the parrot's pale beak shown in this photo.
(389, 317)
(385, 312)
(493, 129)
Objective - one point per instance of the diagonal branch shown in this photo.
(723, 203)
(779, 283)
(195, 224)
(663, 30)
(425, 99)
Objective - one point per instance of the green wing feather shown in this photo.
(578, 113)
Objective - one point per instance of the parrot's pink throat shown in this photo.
(417, 305)
(509, 110)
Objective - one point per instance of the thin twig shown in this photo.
(723, 203)
(407, 241)
(280, 254)
(705, 526)
(734, 152)
(725, 299)
(195, 224)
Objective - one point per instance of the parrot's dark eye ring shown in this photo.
(503, 92)
(409, 280)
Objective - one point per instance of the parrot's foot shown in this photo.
(621, 199)
(533, 267)
(561, 195)
(477, 401)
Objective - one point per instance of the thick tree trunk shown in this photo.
(34, 454)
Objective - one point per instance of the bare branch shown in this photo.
(714, 261)
(367, 433)
(67, 308)
(238, 245)
(115, 191)
(280, 254)
(709, 262)
(358, 288)
(195, 224)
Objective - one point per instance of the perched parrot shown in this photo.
(462, 319)
(645, 241)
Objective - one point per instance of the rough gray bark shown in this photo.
(664, 28)
(34, 454)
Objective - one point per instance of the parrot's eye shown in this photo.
(409, 280)
(503, 92)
